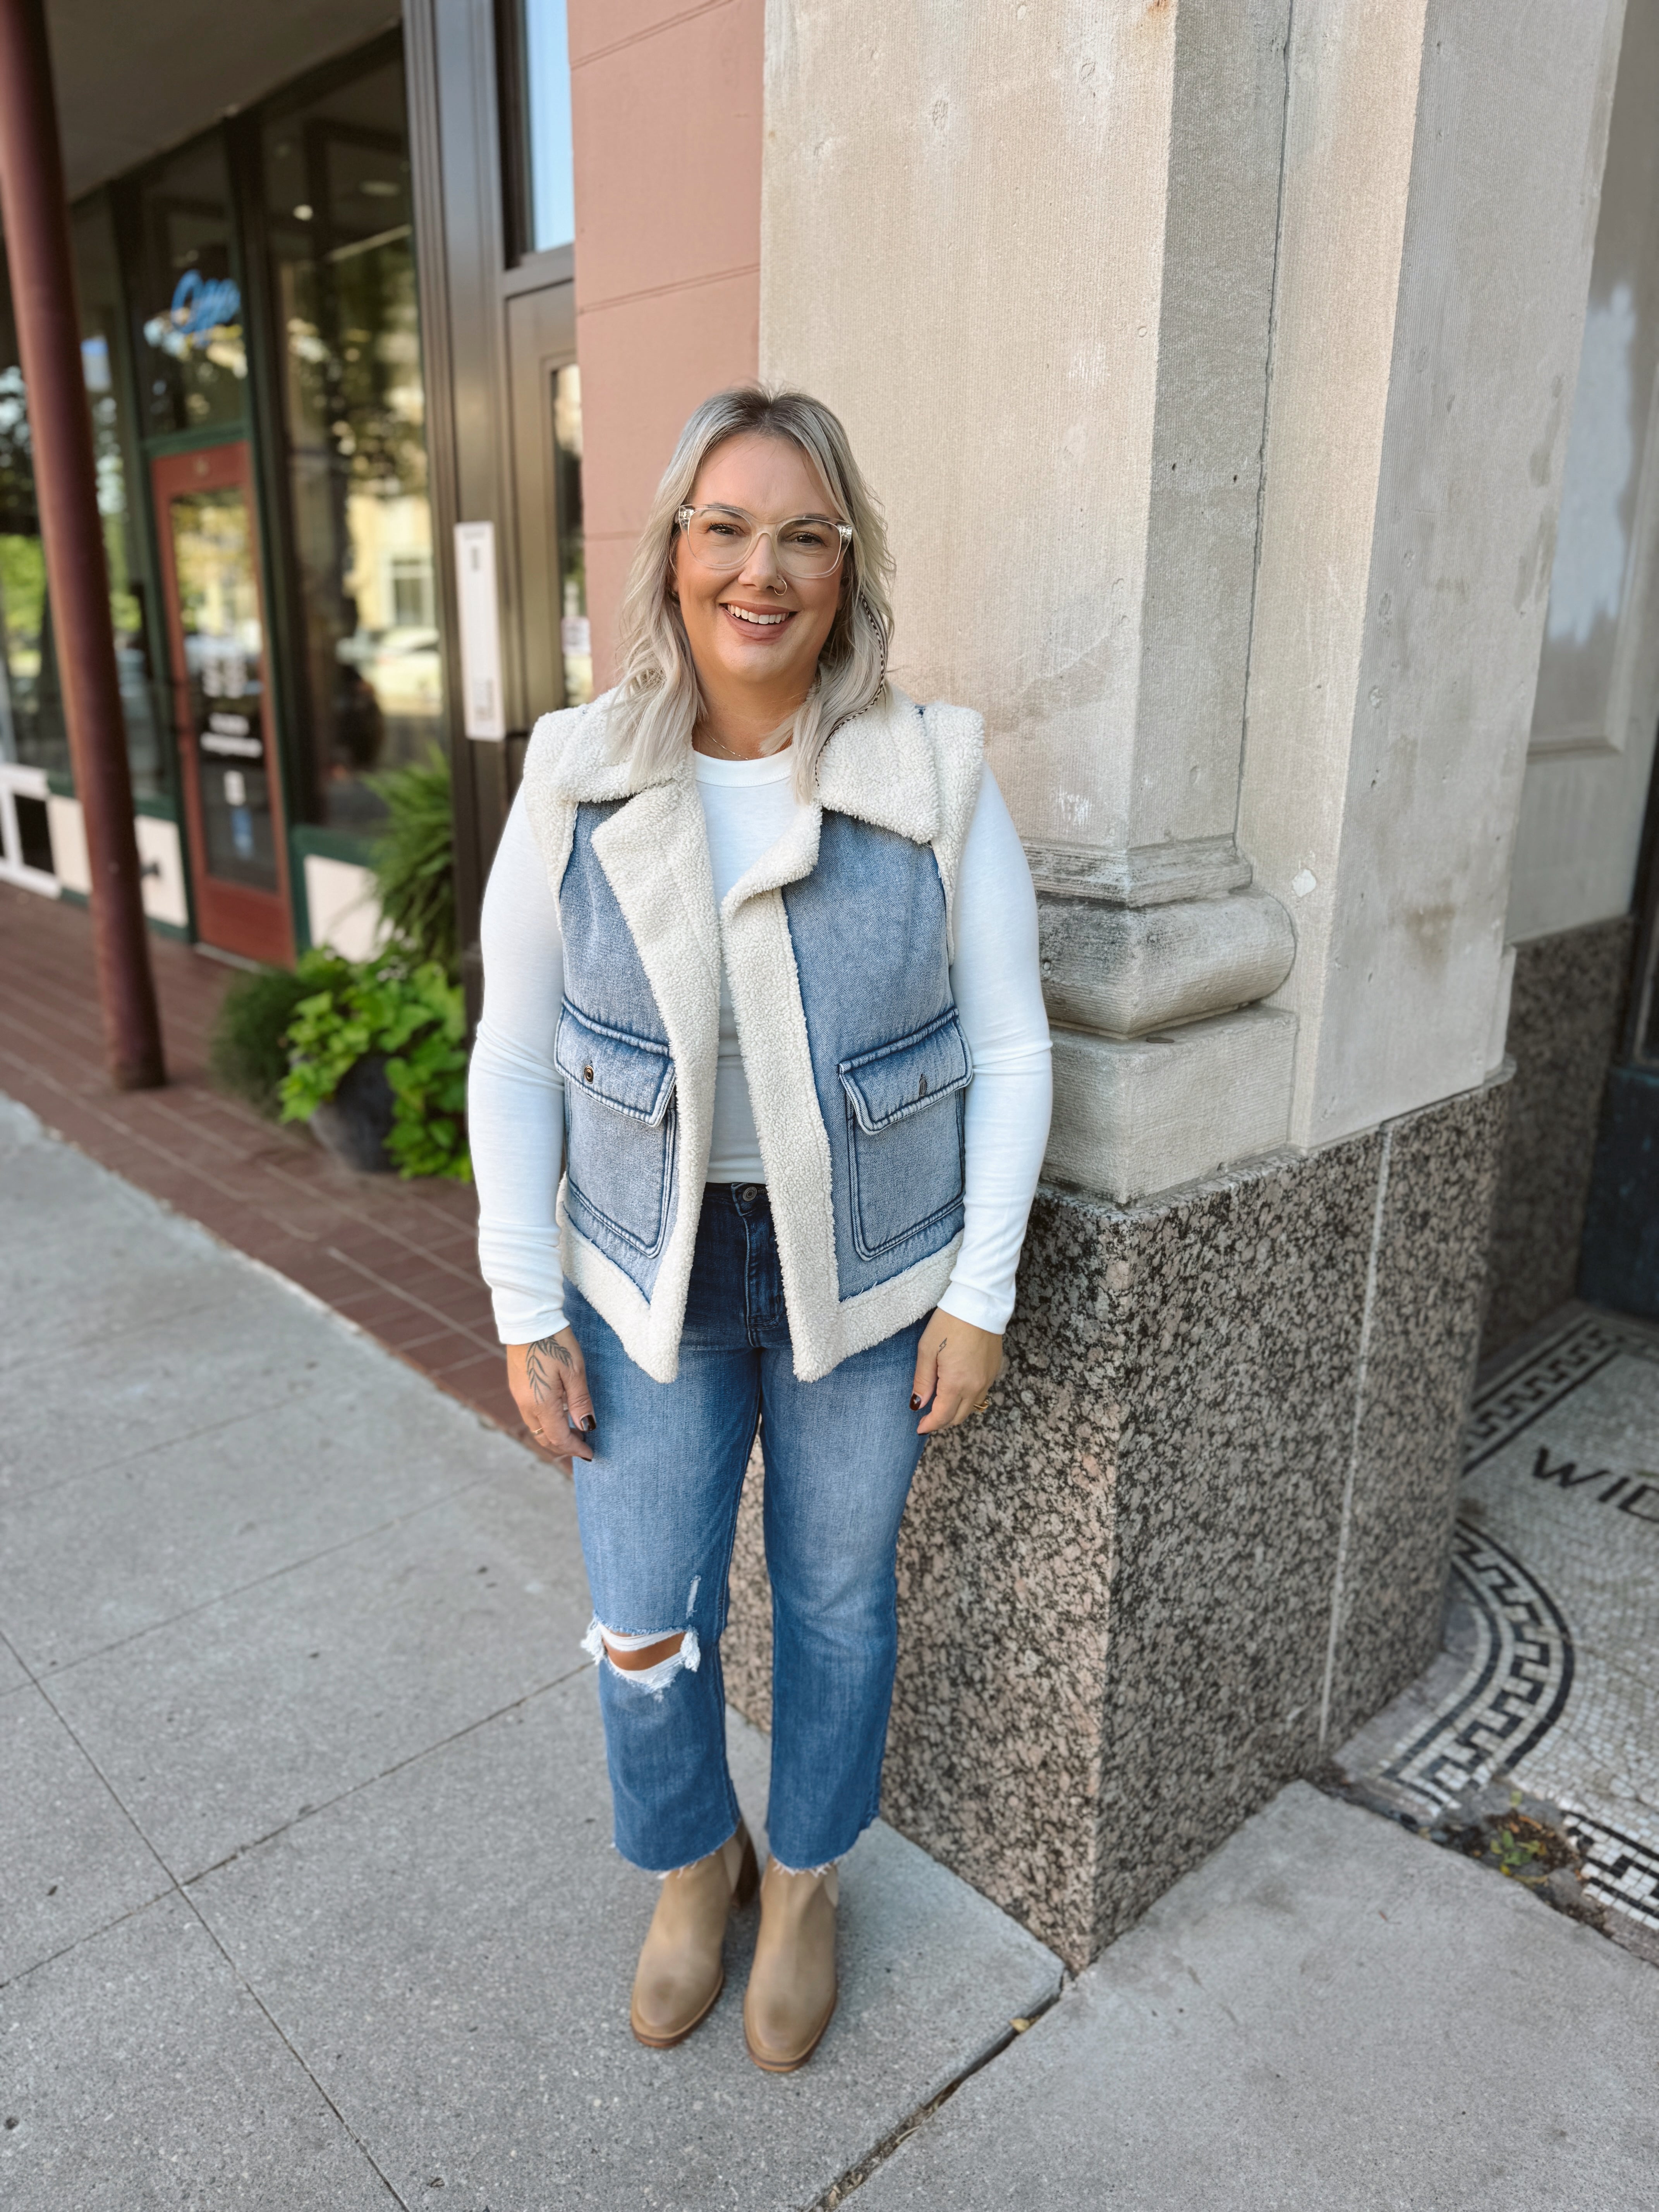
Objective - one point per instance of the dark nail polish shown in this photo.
(915, 1401)
(588, 1424)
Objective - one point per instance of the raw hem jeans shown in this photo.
(657, 1504)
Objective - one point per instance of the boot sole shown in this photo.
(792, 2065)
(669, 2042)
(748, 1883)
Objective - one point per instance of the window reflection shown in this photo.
(338, 197)
(192, 363)
(31, 706)
(31, 725)
(212, 537)
(97, 278)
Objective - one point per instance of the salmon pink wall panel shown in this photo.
(665, 115)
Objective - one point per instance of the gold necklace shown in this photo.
(726, 752)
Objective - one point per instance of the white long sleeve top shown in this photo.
(516, 1094)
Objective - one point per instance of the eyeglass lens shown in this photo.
(720, 537)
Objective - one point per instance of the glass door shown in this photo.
(227, 745)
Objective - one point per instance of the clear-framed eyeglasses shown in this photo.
(723, 538)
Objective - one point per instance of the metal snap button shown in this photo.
(587, 1072)
(749, 1194)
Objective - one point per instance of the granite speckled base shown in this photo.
(1420, 1355)
(1564, 1015)
(1117, 1587)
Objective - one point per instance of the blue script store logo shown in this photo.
(205, 318)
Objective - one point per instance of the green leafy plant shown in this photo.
(248, 1052)
(414, 1015)
(414, 862)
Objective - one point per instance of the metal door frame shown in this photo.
(463, 168)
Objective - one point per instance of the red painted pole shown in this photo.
(36, 213)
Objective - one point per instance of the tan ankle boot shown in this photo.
(792, 1984)
(682, 1967)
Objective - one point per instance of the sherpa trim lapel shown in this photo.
(654, 851)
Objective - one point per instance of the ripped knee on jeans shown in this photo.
(649, 1662)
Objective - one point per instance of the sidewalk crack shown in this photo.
(857, 2175)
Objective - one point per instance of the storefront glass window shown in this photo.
(192, 363)
(98, 276)
(32, 725)
(31, 706)
(338, 201)
(547, 109)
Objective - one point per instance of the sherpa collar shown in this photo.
(878, 768)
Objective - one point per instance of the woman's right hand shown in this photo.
(548, 1382)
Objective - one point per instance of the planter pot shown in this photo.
(356, 1123)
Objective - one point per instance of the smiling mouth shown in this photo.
(752, 619)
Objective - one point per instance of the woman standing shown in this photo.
(761, 980)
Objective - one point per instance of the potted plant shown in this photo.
(414, 862)
(377, 1065)
(372, 1055)
(247, 1051)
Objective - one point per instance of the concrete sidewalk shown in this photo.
(306, 1892)
(306, 1898)
(1328, 2015)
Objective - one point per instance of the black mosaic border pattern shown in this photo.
(1618, 1869)
(1514, 1694)
(1517, 1400)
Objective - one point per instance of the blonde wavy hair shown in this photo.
(658, 699)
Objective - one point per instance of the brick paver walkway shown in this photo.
(397, 1257)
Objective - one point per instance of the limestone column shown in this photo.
(1046, 324)
(1443, 170)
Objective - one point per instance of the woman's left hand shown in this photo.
(955, 1365)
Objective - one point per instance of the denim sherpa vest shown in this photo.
(838, 945)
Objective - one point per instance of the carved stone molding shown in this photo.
(1124, 971)
(1146, 875)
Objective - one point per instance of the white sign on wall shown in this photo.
(481, 708)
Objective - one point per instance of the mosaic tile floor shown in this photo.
(1549, 1677)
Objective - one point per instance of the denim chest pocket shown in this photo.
(904, 1133)
(621, 1128)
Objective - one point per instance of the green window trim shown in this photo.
(154, 808)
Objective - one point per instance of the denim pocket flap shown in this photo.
(912, 1073)
(630, 1074)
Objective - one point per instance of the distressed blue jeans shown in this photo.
(657, 1504)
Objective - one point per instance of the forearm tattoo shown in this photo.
(538, 1371)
